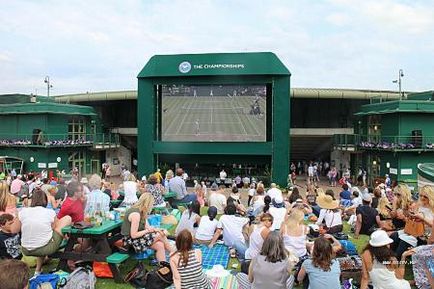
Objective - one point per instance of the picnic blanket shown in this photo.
(228, 282)
(219, 254)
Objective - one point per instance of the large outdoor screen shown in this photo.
(213, 113)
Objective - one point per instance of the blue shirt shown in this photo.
(97, 197)
(320, 279)
(345, 195)
(177, 185)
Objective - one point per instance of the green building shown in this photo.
(205, 112)
(393, 137)
(52, 136)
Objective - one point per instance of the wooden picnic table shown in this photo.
(101, 240)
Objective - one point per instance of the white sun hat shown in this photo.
(379, 239)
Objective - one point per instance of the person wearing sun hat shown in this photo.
(278, 211)
(380, 265)
(330, 214)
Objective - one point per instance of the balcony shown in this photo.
(93, 141)
(355, 142)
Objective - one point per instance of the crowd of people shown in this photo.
(295, 235)
(24, 142)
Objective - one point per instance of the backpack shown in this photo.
(81, 278)
(44, 281)
(349, 247)
(159, 278)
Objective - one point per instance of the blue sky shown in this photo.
(102, 45)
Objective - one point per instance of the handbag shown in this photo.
(159, 278)
(414, 228)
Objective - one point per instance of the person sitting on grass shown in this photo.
(421, 212)
(368, 219)
(330, 214)
(41, 230)
(232, 227)
(400, 206)
(9, 242)
(235, 198)
(271, 268)
(258, 200)
(294, 234)
(278, 211)
(259, 233)
(177, 185)
(157, 190)
(323, 270)
(380, 266)
(190, 218)
(14, 274)
(217, 198)
(186, 264)
(207, 227)
(345, 196)
(139, 234)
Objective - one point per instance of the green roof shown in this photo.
(425, 95)
(46, 107)
(397, 106)
(21, 98)
(426, 170)
(211, 64)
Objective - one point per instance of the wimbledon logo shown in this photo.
(184, 67)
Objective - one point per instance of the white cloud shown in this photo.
(102, 45)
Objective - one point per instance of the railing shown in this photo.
(99, 140)
(373, 142)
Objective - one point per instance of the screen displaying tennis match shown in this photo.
(213, 113)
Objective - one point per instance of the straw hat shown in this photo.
(379, 239)
(327, 202)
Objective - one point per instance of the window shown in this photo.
(77, 129)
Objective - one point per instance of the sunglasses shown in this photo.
(398, 195)
(423, 196)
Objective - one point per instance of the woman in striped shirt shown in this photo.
(186, 264)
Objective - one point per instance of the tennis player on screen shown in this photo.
(197, 126)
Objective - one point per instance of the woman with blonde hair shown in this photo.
(139, 234)
(424, 253)
(294, 233)
(8, 202)
(401, 204)
(420, 212)
(130, 191)
(169, 175)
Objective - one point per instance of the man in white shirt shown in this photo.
(232, 227)
(217, 199)
(274, 192)
(223, 177)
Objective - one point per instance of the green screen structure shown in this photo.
(227, 106)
